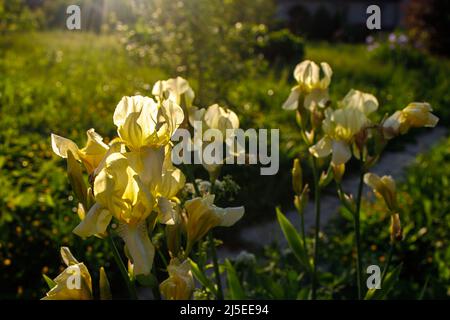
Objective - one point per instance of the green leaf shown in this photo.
(294, 240)
(105, 289)
(234, 286)
(200, 276)
(386, 286)
(51, 284)
(76, 179)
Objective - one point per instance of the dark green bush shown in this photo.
(282, 46)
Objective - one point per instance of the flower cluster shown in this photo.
(344, 130)
(134, 183)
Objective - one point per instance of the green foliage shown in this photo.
(67, 82)
(284, 47)
(64, 82)
(15, 15)
(210, 42)
(419, 267)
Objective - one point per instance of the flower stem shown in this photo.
(358, 234)
(317, 229)
(388, 262)
(123, 271)
(215, 265)
(302, 226)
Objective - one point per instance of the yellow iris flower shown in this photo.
(384, 187)
(120, 192)
(142, 122)
(415, 115)
(341, 125)
(180, 284)
(311, 85)
(176, 89)
(74, 283)
(203, 215)
(91, 155)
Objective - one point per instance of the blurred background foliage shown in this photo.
(234, 52)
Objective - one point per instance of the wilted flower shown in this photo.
(385, 187)
(310, 85)
(180, 284)
(415, 115)
(74, 283)
(91, 155)
(203, 215)
(341, 125)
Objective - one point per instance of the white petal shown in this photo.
(61, 145)
(229, 216)
(292, 101)
(322, 148)
(341, 153)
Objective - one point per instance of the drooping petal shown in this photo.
(95, 222)
(341, 152)
(317, 97)
(229, 216)
(292, 101)
(322, 148)
(139, 246)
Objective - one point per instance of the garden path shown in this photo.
(392, 163)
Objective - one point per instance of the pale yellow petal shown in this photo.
(95, 222)
(341, 153)
(229, 216)
(292, 101)
(139, 246)
(322, 148)
(61, 145)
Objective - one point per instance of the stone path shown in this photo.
(391, 163)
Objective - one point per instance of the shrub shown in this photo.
(282, 46)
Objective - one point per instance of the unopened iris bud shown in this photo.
(338, 171)
(297, 177)
(300, 201)
(396, 228)
(385, 187)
